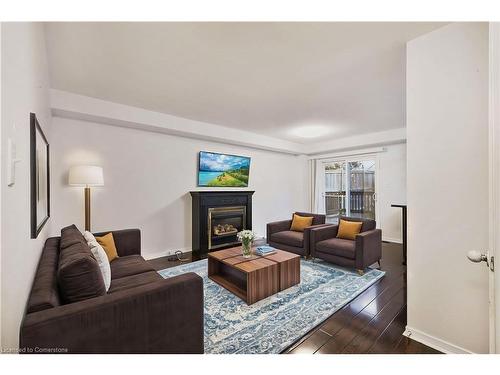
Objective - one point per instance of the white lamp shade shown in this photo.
(86, 175)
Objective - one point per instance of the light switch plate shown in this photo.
(11, 162)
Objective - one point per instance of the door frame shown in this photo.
(494, 182)
(347, 158)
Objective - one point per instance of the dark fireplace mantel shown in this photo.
(204, 203)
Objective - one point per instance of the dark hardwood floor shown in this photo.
(371, 323)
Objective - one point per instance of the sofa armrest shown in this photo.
(368, 248)
(324, 232)
(165, 316)
(127, 241)
(307, 236)
(321, 233)
(277, 226)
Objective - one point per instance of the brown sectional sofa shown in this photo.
(140, 313)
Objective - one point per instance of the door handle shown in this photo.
(476, 257)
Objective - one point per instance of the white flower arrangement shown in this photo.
(246, 236)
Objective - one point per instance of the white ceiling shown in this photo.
(269, 78)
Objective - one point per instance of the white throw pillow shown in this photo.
(101, 258)
(89, 237)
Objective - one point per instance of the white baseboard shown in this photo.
(434, 342)
(165, 253)
(393, 240)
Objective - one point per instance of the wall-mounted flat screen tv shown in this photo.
(223, 170)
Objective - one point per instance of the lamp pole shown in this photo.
(87, 208)
(86, 176)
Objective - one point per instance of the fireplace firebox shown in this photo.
(223, 225)
(217, 218)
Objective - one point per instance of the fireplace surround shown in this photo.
(217, 216)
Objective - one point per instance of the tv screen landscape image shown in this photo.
(223, 170)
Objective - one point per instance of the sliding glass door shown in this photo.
(334, 194)
(349, 188)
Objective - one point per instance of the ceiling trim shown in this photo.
(79, 107)
(381, 138)
(358, 152)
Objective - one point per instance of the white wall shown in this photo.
(24, 90)
(391, 190)
(148, 177)
(447, 152)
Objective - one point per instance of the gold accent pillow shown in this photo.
(108, 244)
(299, 223)
(349, 229)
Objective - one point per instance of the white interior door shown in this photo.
(494, 195)
(447, 187)
(488, 256)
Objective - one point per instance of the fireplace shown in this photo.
(217, 217)
(223, 225)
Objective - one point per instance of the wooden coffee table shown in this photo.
(254, 278)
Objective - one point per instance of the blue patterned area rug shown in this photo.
(273, 324)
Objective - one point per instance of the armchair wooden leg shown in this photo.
(361, 272)
(379, 265)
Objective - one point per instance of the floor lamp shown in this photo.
(87, 176)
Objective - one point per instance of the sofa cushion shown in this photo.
(133, 281)
(102, 260)
(44, 293)
(89, 237)
(70, 235)
(317, 218)
(337, 246)
(368, 224)
(78, 274)
(348, 230)
(127, 241)
(108, 244)
(289, 237)
(129, 265)
(299, 223)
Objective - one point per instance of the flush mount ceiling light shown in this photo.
(311, 131)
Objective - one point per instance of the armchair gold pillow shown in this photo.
(299, 223)
(348, 230)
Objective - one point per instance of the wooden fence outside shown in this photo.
(360, 202)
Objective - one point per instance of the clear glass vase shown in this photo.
(246, 249)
